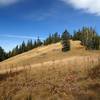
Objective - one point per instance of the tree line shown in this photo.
(24, 47)
(88, 37)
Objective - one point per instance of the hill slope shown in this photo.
(47, 53)
(46, 73)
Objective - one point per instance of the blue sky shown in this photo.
(27, 19)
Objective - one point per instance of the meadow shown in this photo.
(62, 76)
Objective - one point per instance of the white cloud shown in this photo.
(19, 36)
(90, 6)
(8, 2)
(40, 15)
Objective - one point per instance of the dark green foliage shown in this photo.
(65, 35)
(65, 46)
(54, 38)
(85, 34)
(88, 37)
(65, 41)
(48, 40)
(35, 44)
(97, 43)
(3, 54)
(38, 42)
(29, 45)
(77, 35)
(23, 47)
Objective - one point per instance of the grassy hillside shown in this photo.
(47, 53)
(49, 74)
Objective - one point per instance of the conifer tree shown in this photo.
(39, 42)
(23, 47)
(48, 40)
(35, 44)
(2, 54)
(88, 37)
(29, 45)
(55, 38)
(65, 41)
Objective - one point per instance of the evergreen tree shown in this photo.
(65, 35)
(55, 38)
(2, 54)
(48, 40)
(52, 38)
(29, 45)
(15, 51)
(9, 54)
(65, 41)
(87, 36)
(23, 47)
(35, 44)
(96, 43)
(38, 42)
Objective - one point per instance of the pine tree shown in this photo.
(35, 44)
(97, 43)
(23, 47)
(29, 45)
(39, 42)
(55, 38)
(14, 51)
(48, 40)
(87, 37)
(65, 41)
(2, 54)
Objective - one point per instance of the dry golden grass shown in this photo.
(47, 53)
(33, 55)
(56, 81)
(46, 73)
(76, 45)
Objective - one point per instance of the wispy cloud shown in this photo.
(89, 6)
(8, 2)
(40, 15)
(19, 37)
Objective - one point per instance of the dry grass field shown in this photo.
(47, 53)
(46, 73)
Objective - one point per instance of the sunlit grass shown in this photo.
(75, 80)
